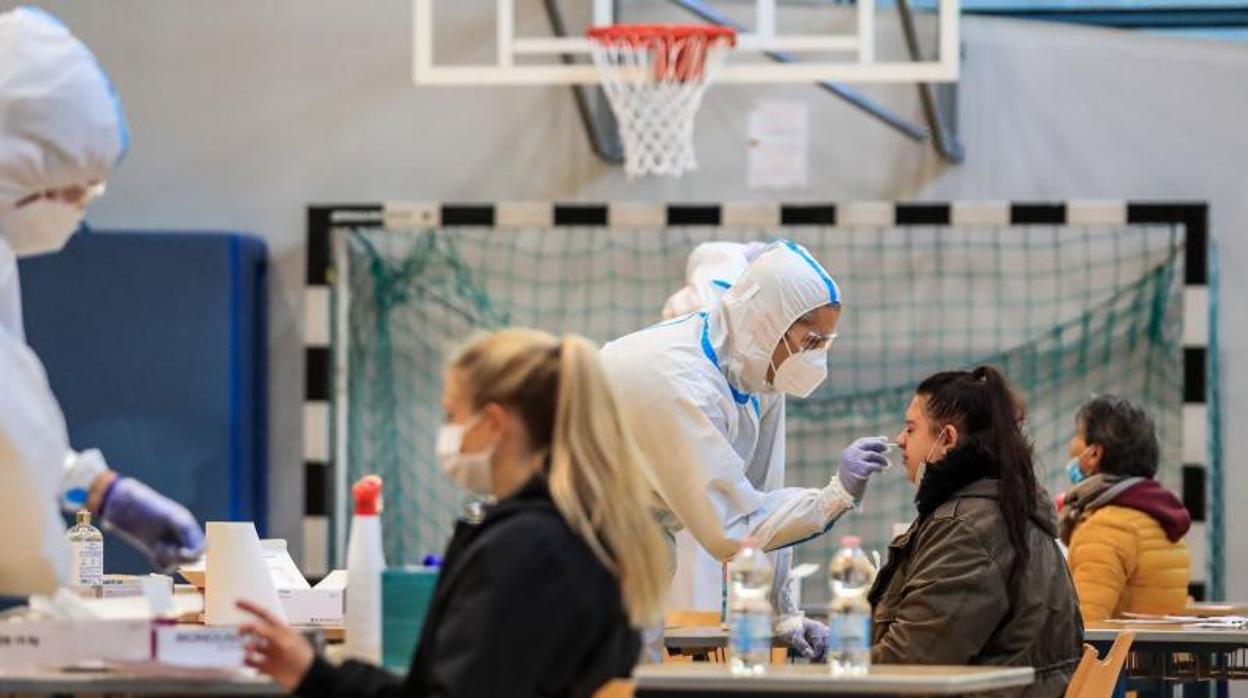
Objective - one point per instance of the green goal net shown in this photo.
(1067, 311)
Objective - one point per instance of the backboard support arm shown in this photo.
(599, 122)
(854, 98)
(935, 110)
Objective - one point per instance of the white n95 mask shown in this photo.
(801, 373)
(919, 472)
(469, 470)
(40, 227)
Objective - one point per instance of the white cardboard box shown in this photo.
(38, 644)
(26, 644)
(197, 646)
(316, 606)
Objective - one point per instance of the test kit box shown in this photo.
(197, 646)
(32, 643)
(315, 606)
(48, 644)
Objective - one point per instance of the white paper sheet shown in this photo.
(1229, 622)
(236, 570)
(779, 145)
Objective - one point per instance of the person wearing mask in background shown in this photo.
(1124, 530)
(978, 577)
(704, 394)
(61, 132)
(544, 595)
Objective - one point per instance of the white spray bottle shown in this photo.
(365, 563)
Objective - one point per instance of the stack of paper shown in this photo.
(1229, 622)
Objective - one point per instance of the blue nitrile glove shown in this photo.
(808, 637)
(158, 526)
(863, 458)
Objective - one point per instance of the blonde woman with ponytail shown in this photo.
(544, 595)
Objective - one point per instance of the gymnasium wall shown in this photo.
(244, 112)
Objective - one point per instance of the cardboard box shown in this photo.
(31, 644)
(122, 585)
(316, 606)
(197, 646)
(34, 644)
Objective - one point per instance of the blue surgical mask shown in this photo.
(1072, 468)
(1073, 472)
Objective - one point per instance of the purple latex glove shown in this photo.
(158, 526)
(862, 459)
(808, 637)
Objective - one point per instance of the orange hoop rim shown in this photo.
(646, 33)
(680, 51)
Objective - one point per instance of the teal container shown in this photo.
(405, 596)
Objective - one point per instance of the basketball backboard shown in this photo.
(772, 46)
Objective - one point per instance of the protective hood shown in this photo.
(60, 123)
(781, 285)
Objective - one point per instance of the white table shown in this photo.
(1169, 637)
(1213, 609)
(123, 682)
(702, 678)
(1164, 656)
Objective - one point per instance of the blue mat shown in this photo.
(155, 344)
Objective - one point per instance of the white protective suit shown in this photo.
(695, 394)
(60, 126)
(712, 268)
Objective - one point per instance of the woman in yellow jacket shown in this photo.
(1125, 531)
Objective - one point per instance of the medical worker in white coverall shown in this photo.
(704, 395)
(61, 132)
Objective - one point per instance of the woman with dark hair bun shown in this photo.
(978, 578)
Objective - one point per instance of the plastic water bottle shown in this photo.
(850, 575)
(749, 610)
(365, 563)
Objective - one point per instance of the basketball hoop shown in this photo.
(654, 76)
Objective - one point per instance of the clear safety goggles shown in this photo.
(79, 195)
(814, 341)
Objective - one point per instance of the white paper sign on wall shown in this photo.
(779, 145)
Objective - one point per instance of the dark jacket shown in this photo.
(944, 596)
(522, 607)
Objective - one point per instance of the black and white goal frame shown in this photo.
(1202, 471)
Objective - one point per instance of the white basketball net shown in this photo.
(654, 77)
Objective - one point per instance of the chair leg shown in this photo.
(1120, 689)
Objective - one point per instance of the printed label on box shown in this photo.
(199, 647)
